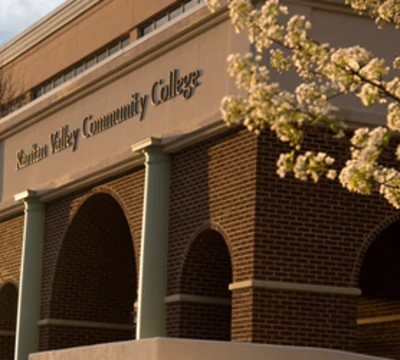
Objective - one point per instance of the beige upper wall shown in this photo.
(101, 24)
(200, 45)
(339, 26)
(346, 30)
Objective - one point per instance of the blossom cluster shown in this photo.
(383, 11)
(325, 73)
(307, 166)
(363, 173)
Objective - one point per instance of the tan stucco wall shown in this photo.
(205, 52)
(339, 26)
(173, 349)
(84, 35)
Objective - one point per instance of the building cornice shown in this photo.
(42, 29)
(72, 9)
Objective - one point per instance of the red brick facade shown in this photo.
(231, 220)
(212, 187)
(10, 256)
(92, 245)
(8, 315)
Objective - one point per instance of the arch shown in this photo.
(8, 319)
(208, 225)
(114, 194)
(95, 283)
(368, 241)
(206, 275)
(378, 308)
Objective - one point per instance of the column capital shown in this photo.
(26, 195)
(152, 148)
(144, 145)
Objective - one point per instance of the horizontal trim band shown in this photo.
(378, 319)
(7, 333)
(84, 324)
(198, 299)
(288, 286)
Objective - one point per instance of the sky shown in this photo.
(17, 15)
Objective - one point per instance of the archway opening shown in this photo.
(206, 275)
(94, 287)
(378, 311)
(8, 319)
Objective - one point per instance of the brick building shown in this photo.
(129, 210)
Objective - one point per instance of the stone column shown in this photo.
(27, 334)
(154, 242)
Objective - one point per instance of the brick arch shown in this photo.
(206, 275)
(8, 319)
(366, 244)
(120, 200)
(204, 227)
(95, 279)
(378, 307)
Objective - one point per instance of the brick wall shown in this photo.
(199, 321)
(8, 317)
(379, 307)
(63, 337)
(207, 269)
(242, 315)
(10, 248)
(212, 186)
(303, 319)
(316, 234)
(290, 231)
(10, 259)
(258, 227)
(207, 272)
(91, 254)
(8, 307)
(380, 339)
(7, 344)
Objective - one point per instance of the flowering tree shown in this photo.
(325, 73)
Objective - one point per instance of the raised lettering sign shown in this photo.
(67, 138)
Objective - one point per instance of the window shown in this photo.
(80, 67)
(173, 13)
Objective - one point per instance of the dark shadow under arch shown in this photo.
(378, 331)
(95, 279)
(8, 319)
(368, 241)
(207, 272)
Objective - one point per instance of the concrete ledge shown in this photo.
(84, 324)
(197, 299)
(288, 286)
(173, 349)
(378, 319)
(7, 333)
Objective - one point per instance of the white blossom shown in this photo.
(326, 72)
(383, 11)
